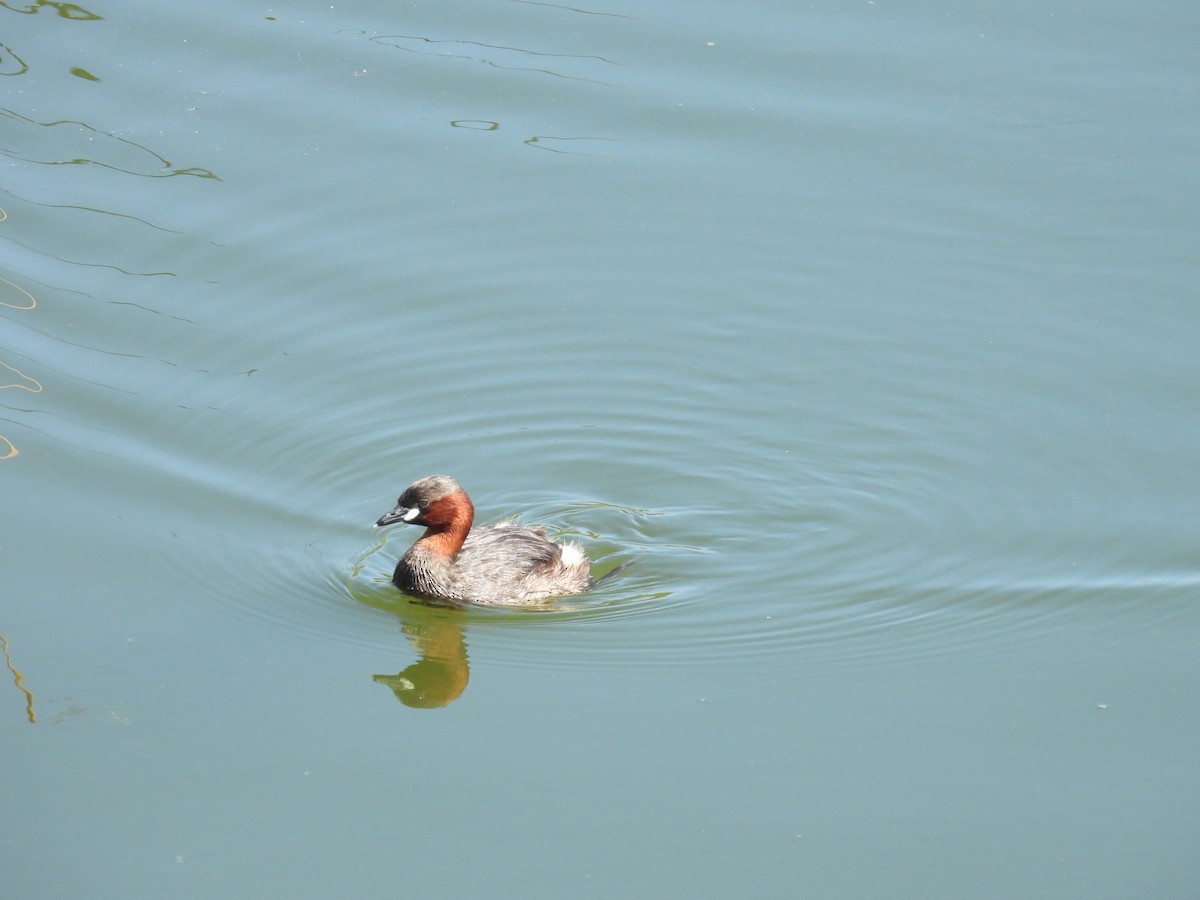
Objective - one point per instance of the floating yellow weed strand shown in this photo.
(7, 447)
(16, 287)
(19, 681)
(37, 385)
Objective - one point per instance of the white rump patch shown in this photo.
(573, 555)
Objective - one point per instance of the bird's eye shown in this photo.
(424, 504)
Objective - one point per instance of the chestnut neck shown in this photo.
(447, 523)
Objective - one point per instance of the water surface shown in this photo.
(868, 332)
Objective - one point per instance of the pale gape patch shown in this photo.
(411, 514)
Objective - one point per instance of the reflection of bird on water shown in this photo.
(440, 676)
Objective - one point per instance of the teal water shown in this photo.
(868, 332)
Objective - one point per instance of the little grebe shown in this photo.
(504, 564)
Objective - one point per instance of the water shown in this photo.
(868, 332)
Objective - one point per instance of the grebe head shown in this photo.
(437, 502)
